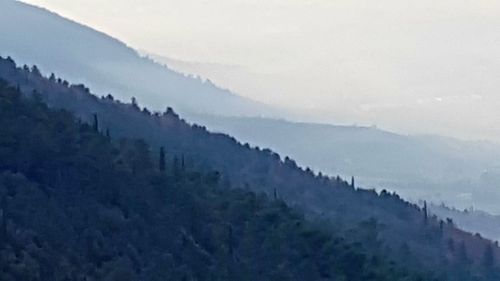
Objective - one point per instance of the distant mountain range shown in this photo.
(37, 36)
(446, 170)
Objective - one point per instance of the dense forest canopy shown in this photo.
(382, 224)
(76, 205)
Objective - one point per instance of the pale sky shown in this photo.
(426, 66)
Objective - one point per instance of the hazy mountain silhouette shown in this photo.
(37, 36)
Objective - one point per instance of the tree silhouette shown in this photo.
(95, 125)
(426, 215)
(488, 259)
(161, 164)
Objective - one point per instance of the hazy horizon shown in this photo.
(426, 67)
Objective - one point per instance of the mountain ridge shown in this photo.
(400, 225)
(106, 64)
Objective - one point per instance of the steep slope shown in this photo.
(419, 167)
(398, 229)
(34, 35)
(76, 206)
(433, 168)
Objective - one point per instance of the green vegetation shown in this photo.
(99, 161)
(77, 206)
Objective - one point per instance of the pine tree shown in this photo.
(352, 182)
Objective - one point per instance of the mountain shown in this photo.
(76, 205)
(391, 227)
(431, 168)
(55, 44)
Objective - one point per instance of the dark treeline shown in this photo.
(383, 224)
(77, 206)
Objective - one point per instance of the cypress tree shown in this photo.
(95, 125)
(175, 168)
(488, 257)
(3, 223)
(161, 163)
(462, 254)
(230, 241)
(426, 215)
(183, 164)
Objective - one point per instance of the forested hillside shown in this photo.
(437, 169)
(474, 221)
(75, 205)
(397, 229)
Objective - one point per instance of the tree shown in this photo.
(405, 251)
(95, 125)
(175, 167)
(462, 254)
(161, 163)
(183, 164)
(36, 71)
(426, 215)
(3, 223)
(134, 103)
(488, 259)
(230, 241)
(451, 245)
(352, 182)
